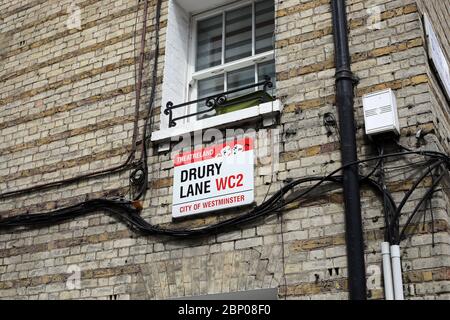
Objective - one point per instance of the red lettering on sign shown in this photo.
(231, 182)
(210, 152)
(240, 178)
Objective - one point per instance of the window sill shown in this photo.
(264, 109)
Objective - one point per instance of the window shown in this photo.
(213, 47)
(233, 47)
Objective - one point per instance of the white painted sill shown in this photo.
(264, 109)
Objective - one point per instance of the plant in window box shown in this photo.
(221, 103)
(245, 101)
(242, 98)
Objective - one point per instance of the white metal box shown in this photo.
(380, 112)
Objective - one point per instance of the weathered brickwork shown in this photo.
(67, 101)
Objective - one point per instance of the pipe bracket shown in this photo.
(344, 73)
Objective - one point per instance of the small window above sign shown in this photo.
(213, 51)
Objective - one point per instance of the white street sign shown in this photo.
(213, 178)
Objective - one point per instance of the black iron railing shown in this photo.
(216, 102)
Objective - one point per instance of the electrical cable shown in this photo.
(273, 204)
(406, 172)
(122, 167)
(386, 209)
(395, 219)
(397, 214)
(49, 185)
(430, 202)
(138, 86)
(283, 254)
(126, 212)
(149, 116)
(150, 109)
(428, 194)
(385, 156)
(379, 162)
(131, 215)
(401, 167)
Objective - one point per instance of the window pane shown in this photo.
(206, 88)
(238, 33)
(209, 42)
(240, 78)
(264, 25)
(267, 69)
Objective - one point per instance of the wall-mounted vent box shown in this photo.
(380, 113)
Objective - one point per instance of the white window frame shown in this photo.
(223, 68)
(191, 124)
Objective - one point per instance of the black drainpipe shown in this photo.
(344, 102)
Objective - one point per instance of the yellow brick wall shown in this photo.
(67, 100)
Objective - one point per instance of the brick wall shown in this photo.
(67, 106)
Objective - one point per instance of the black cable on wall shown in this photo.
(126, 211)
(129, 161)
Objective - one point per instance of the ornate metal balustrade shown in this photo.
(220, 102)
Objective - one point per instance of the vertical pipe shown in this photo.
(397, 272)
(352, 201)
(387, 271)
